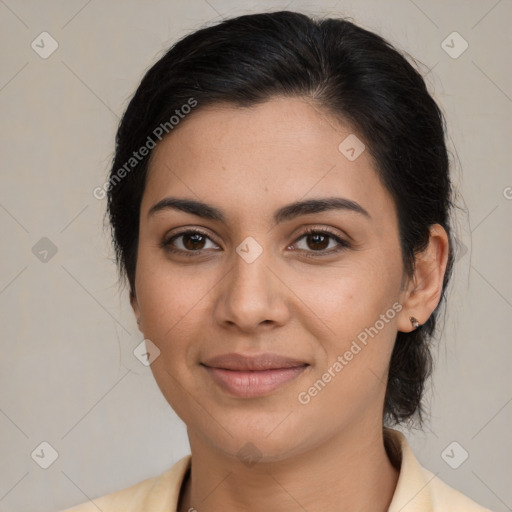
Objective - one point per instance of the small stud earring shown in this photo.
(414, 322)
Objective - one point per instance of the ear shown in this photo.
(425, 288)
(135, 306)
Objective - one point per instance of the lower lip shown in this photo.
(247, 384)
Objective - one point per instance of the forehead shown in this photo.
(279, 151)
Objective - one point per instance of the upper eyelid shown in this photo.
(168, 238)
(340, 239)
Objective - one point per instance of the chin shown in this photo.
(252, 450)
(260, 439)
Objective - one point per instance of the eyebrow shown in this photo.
(285, 213)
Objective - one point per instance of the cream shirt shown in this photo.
(417, 490)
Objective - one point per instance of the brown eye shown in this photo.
(193, 241)
(188, 242)
(321, 241)
(318, 241)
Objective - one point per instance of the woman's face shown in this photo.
(254, 282)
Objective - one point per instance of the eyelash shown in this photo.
(343, 245)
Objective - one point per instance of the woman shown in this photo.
(279, 201)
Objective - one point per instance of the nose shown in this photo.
(252, 296)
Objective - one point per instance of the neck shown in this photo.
(351, 470)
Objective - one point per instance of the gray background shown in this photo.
(68, 375)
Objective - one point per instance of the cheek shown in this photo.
(165, 298)
(167, 293)
(342, 301)
(355, 322)
(170, 302)
(350, 378)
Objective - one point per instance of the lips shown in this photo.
(252, 376)
(239, 362)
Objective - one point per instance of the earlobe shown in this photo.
(414, 322)
(426, 287)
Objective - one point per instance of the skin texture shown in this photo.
(249, 162)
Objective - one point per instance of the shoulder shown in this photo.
(155, 494)
(445, 497)
(125, 499)
(418, 489)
